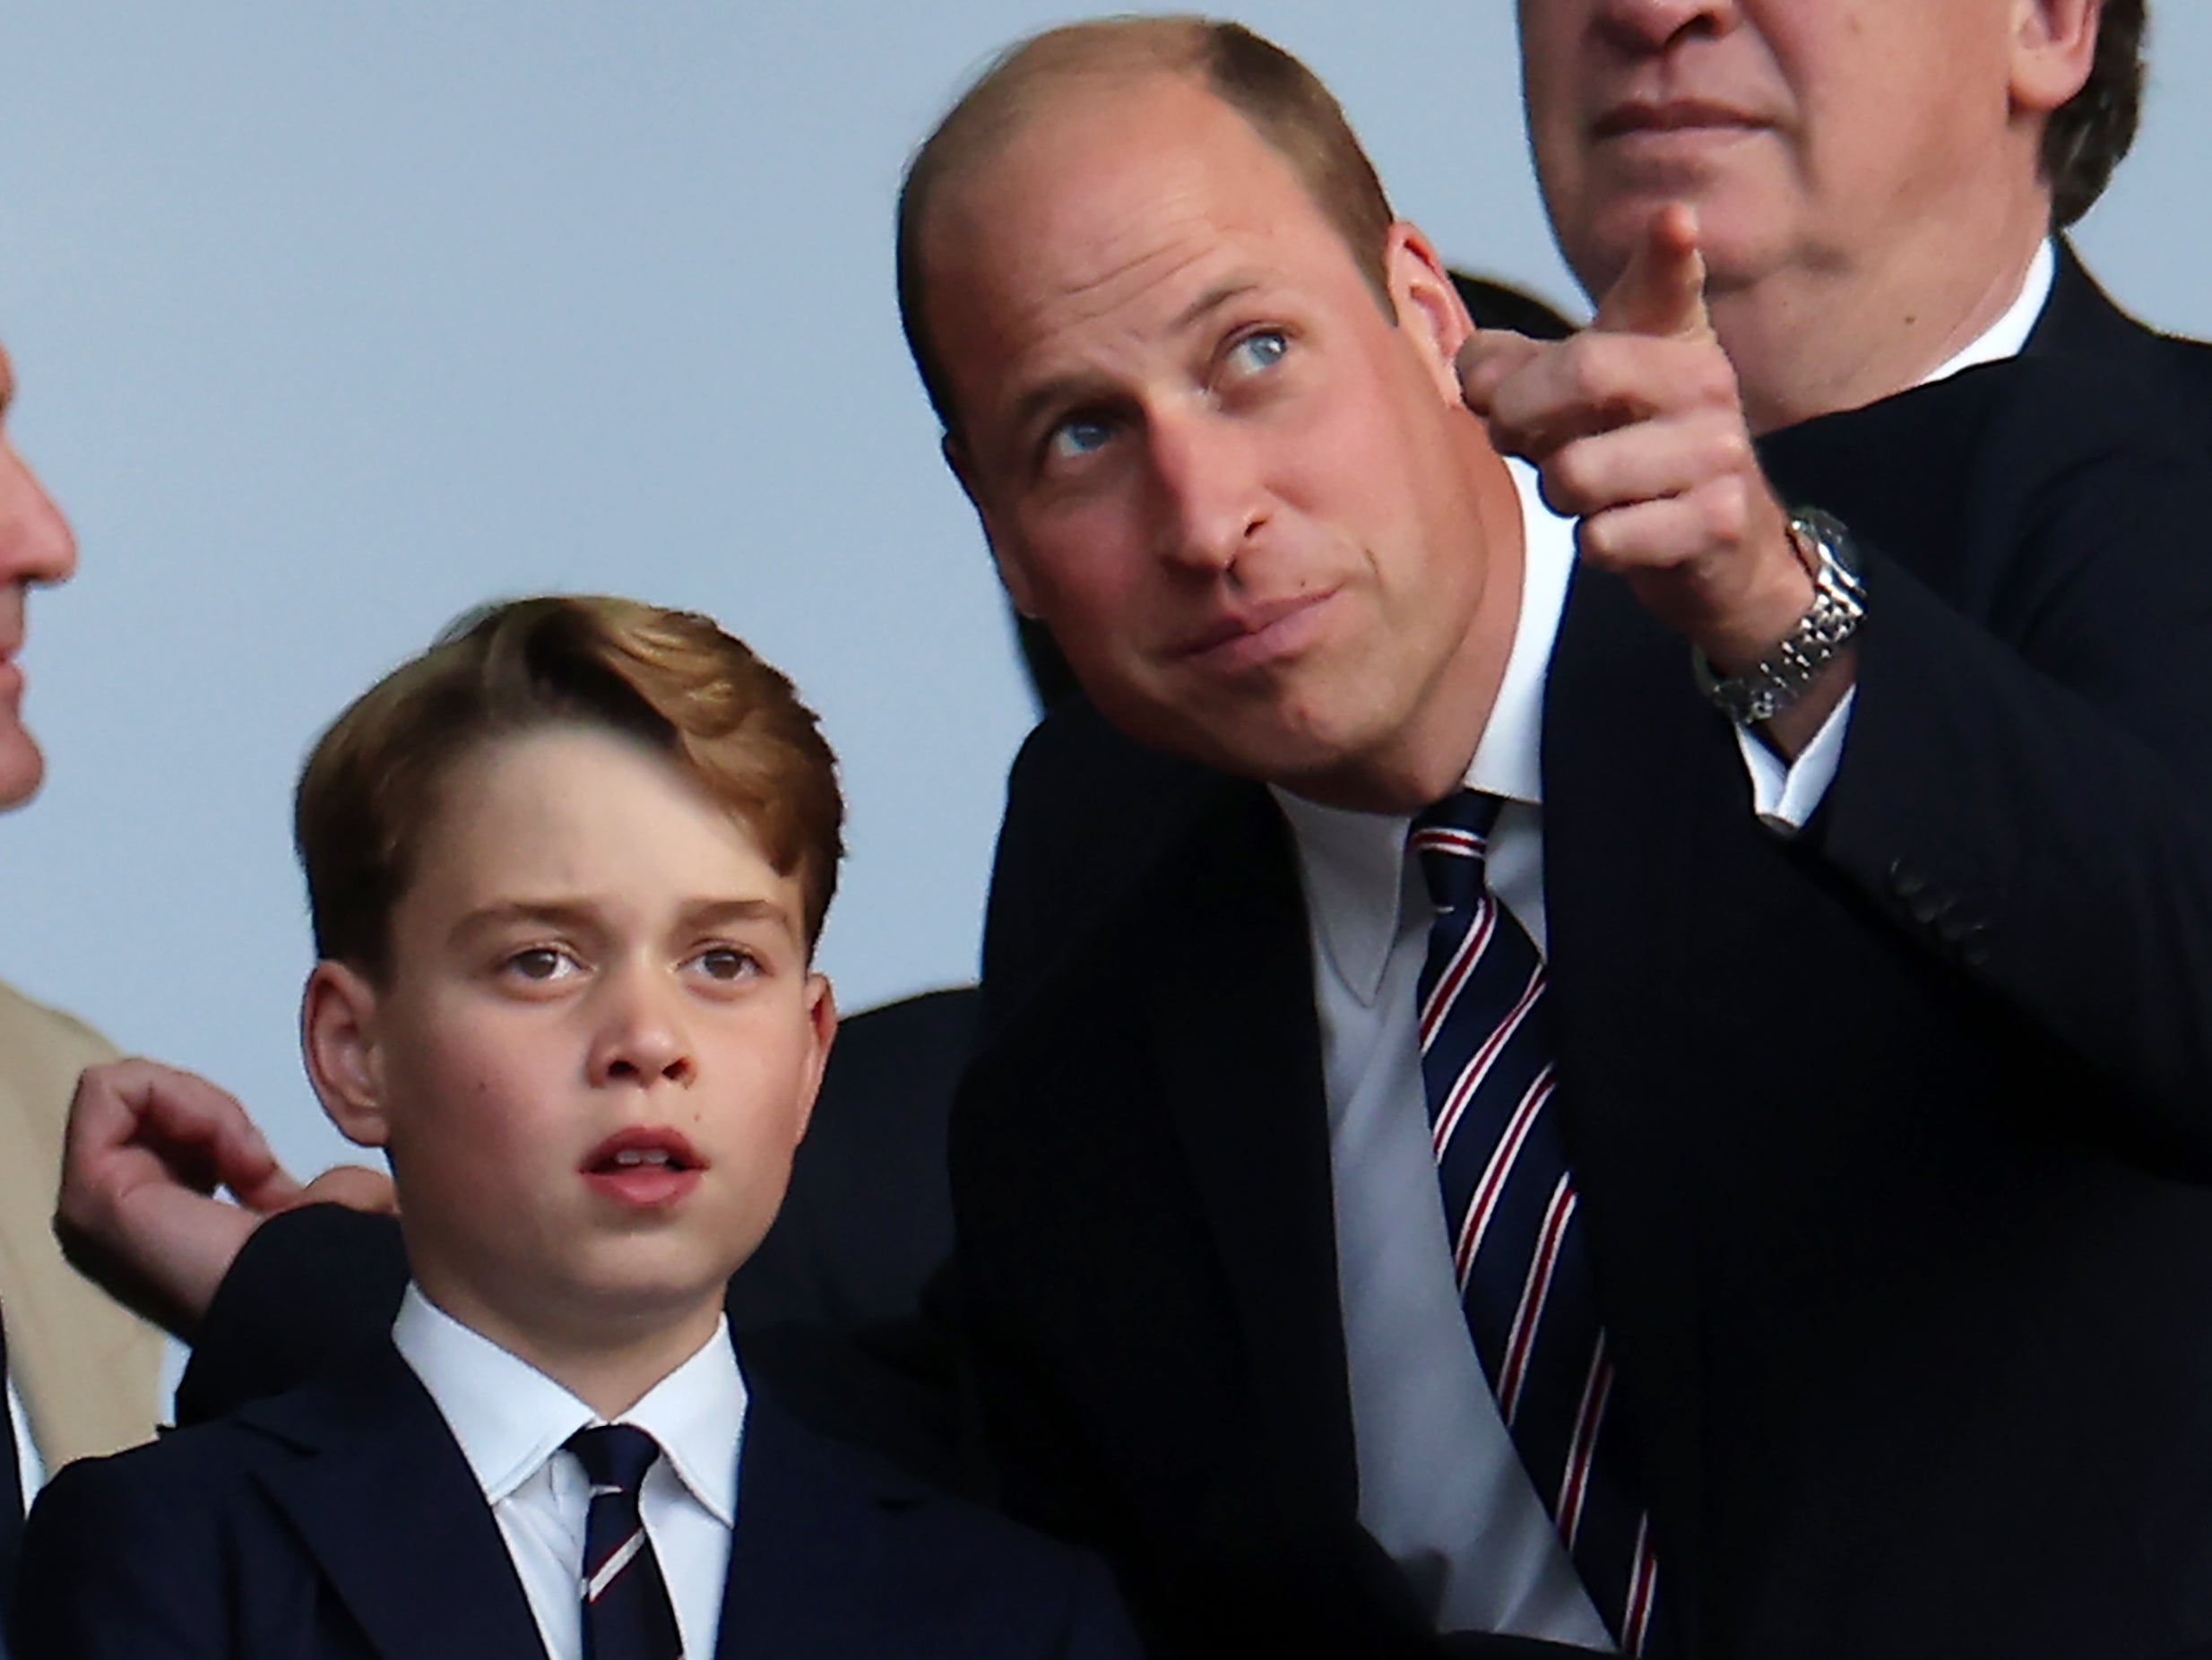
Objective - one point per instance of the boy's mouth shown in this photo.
(645, 1167)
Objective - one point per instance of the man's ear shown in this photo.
(1010, 573)
(1428, 306)
(337, 1027)
(2053, 45)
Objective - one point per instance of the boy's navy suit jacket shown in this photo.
(344, 1520)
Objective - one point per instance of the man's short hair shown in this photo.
(2089, 135)
(672, 680)
(1283, 100)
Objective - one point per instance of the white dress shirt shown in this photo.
(511, 1421)
(1441, 1487)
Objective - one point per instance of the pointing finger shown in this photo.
(1485, 358)
(1661, 290)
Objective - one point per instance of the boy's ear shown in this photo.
(337, 1025)
(822, 1015)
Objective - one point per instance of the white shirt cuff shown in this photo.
(1785, 795)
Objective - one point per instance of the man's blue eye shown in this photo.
(1079, 437)
(1260, 351)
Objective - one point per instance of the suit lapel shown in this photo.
(1629, 756)
(387, 1506)
(812, 1567)
(1240, 1059)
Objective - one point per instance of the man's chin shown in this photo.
(23, 768)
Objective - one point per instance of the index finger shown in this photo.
(1660, 291)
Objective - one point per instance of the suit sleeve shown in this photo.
(312, 1288)
(2026, 788)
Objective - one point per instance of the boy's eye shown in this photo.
(1258, 352)
(726, 963)
(544, 962)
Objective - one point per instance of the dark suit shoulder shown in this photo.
(2082, 318)
(1088, 813)
(312, 1289)
(146, 1552)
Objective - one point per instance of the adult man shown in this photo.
(1841, 1121)
(1863, 222)
(1168, 1363)
(87, 1373)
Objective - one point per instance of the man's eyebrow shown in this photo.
(1064, 389)
(1212, 300)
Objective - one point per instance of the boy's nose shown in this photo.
(642, 1042)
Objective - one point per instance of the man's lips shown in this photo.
(1251, 633)
(645, 1166)
(1636, 118)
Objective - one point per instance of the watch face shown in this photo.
(1826, 531)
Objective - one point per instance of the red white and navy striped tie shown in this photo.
(626, 1612)
(1509, 1204)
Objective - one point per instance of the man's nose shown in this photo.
(1653, 25)
(36, 544)
(640, 1036)
(1213, 500)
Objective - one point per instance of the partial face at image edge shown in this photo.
(35, 549)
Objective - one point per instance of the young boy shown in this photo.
(567, 870)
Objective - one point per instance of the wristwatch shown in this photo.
(1838, 608)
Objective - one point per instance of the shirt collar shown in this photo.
(2005, 337)
(1353, 864)
(509, 1417)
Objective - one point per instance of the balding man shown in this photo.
(1206, 1339)
(1800, 1252)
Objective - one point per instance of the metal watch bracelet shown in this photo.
(1838, 608)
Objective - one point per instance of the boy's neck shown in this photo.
(608, 1364)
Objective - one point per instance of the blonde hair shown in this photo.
(671, 679)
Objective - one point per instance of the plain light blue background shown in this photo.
(333, 320)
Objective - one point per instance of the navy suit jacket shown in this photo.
(342, 1520)
(1893, 1140)
(2080, 317)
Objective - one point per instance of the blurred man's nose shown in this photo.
(1652, 25)
(36, 544)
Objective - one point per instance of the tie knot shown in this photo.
(614, 1455)
(1452, 839)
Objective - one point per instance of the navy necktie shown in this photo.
(626, 1612)
(1509, 1205)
